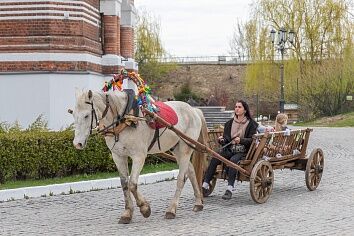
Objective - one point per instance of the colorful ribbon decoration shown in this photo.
(144, 96)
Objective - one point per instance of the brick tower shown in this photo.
(50, 47)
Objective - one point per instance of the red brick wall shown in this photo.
(111, 35)
(94, 3)
(79, 33)
(62, 35)
(111, 69)
(44, 35)
(127, 42)
(49, 66)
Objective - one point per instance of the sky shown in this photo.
(196, 27)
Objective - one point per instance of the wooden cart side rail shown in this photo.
(306, 141)
(200, 146)
(213, 136)
(279, 146)
(258, 143)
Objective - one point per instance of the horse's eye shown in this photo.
(86, 117)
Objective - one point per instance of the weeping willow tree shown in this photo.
(149, 49)
(319, 68)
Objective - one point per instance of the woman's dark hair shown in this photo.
(247, 109)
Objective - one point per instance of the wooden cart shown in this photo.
(269, 151)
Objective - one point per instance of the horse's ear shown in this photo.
(90, 94)
(77, 92)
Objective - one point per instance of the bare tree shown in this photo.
(317, 65)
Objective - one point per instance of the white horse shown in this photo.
(133, 142)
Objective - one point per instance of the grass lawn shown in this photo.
(83, 177)
(342, 120)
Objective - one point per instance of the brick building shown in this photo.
(50, 47)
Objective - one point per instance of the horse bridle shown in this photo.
(119, 119)
(93, 115)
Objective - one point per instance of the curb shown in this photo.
(82, 186)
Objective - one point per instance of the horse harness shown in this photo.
(120, 122)
(123, 121)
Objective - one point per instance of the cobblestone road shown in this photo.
(291, 210)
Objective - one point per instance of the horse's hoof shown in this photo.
(145, 210)
(170, 215)
(125, 220)
(198, 208)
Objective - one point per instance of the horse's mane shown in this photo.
(116, 98)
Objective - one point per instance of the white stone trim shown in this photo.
(128, 14)
(111, 60)
(18, 8)
(93, 19)
(106, 60)
(111, 7)
(49, 18)
(50, 12)
(131, 64)
(4, 57)
(66, 14)
(58, 46)
(57, 1)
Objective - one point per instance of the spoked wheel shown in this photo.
(261, 181)
(314, 169)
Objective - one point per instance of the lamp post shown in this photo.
(283, 37)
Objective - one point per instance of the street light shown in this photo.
(283, 37)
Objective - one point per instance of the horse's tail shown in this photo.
(199, 159)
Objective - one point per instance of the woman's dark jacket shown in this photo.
(251, 129)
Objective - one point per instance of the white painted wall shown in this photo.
(23, 97)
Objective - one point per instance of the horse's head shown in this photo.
(85, 118)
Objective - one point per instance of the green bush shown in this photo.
(37, 155)
(47, 154)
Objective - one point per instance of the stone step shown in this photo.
(211, 125)
(219, 114)
(211, 109)
(217, 119)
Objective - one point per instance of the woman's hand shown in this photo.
(221, 140)
(237, 140)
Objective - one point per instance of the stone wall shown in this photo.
(207, 79)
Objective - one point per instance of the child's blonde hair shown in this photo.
(281, 121)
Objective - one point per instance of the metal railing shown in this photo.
(205, 59)
(213, 59)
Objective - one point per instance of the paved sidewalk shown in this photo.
(82, 186)
(291, 210)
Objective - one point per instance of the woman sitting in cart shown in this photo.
(236, 141)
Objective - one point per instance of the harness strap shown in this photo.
(128, 119)
(93, 115)
(130, 96)
(107, 107)
(156, 137)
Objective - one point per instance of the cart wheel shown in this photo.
(314, 169)
(261, 181)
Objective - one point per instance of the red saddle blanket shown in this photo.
(166, 113)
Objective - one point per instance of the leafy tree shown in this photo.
(319, 64)
(149, 49)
